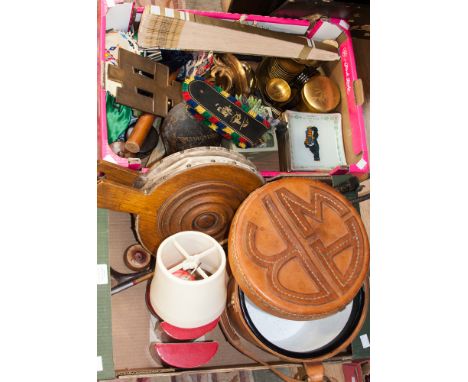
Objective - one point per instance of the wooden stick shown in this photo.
(127, 284)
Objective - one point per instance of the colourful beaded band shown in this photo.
(214, 123)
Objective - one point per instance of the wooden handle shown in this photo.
(139, 133)
(119, 197)
(117, 173)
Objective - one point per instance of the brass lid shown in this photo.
(278, 90)
(320, 94)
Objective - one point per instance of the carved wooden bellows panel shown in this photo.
(298, 249)
(198, 189)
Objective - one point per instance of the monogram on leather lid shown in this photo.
(298, 249)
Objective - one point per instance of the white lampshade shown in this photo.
(189, 303)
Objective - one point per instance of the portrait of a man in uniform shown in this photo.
(311, 142)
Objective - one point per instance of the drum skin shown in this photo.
(234, 315)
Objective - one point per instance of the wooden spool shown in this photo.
(136, 258)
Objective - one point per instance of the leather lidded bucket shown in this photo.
(290, 340)
(299, 256)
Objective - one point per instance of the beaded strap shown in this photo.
(213, 122)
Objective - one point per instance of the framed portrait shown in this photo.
(314, 141)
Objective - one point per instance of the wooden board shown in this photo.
(171, 29)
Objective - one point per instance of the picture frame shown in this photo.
(314, 141)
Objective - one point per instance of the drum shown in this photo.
(197, 189)
(181, 131)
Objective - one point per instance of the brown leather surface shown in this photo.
(298, 249)
(234, 318)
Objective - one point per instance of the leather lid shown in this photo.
(298, 249)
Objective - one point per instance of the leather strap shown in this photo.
(314, 372)
(235, 341)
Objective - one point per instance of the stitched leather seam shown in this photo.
(327, 293)
(253, 291)
(252, 250)
(262, 261)
(355, 237)
(286, 200)
(329, 266)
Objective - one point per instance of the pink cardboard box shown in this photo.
(342, 71)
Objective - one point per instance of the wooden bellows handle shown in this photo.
(117, 173)
(115, 189)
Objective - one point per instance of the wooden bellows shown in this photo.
(199, 189)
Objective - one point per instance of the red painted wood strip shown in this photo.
(186, 355)
(187, 334)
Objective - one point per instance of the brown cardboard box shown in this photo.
(132, 328)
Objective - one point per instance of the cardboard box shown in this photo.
(343, 72)
(133, 326)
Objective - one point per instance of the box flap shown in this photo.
(133, 328)
(105, 367)
(361, 344)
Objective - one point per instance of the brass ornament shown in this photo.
(222, 74)
(233, 75)
(284, 68)
(278, 90)
(319, 95)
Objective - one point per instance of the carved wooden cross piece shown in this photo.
(145, 84)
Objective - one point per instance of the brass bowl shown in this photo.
(319, 95)
(278, 90)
